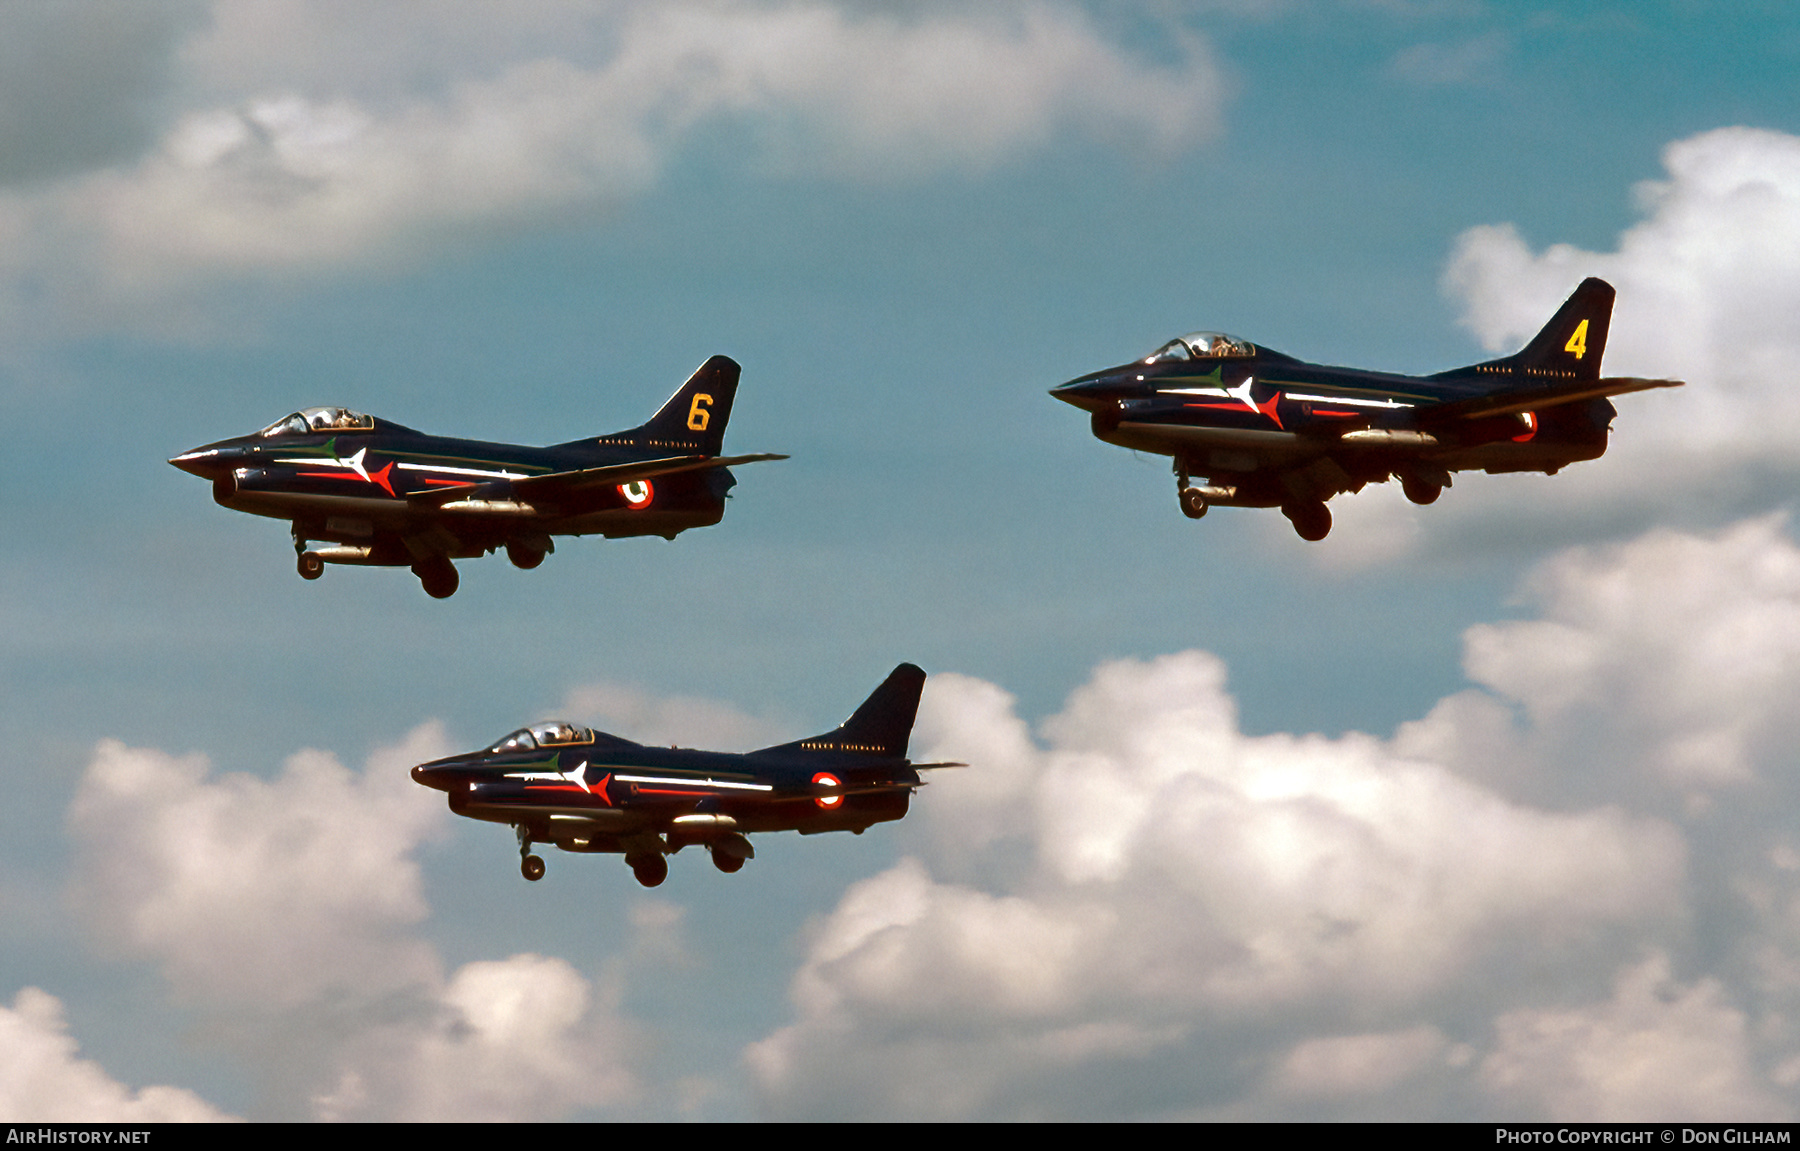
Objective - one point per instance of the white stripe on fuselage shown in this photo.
(573, 775)
(692, 782)
(1241, 393)
(1349, 402)
(450, 471)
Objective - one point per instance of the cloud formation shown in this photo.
(1569, 891)
(519, 1038)
(267, 893)
(1489, 913)
(43, 1081)
(288, 912)
(273, 180)
(1708, 292)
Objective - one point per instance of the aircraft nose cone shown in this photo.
(442, 774)
(202, 462)
(1094, 392)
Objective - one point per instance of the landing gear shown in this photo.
(1420, 491)
(1193, 504)
(1312, 520)
(310, 566)
(650, 870)
(437, 575)
(726, 862)
(524, 557)
(530, 866)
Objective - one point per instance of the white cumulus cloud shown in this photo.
(508, 1040)
(1656, 1049)
(1709, 292)
(1188, 879)
(43, 1081)
(289, 172)
(1452, 922)
(254, 891)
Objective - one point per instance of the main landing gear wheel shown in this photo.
(727, 863)
(1193, 504)
(1312, 521)
(532, 868)
(310, 566)
(437, 576)
(1420, 491)
(650, 870)
(524, 557)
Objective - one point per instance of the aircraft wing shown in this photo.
(1533, 399)
(557, 484)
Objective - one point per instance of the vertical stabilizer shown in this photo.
(1568, 348)
(694, 418)
(882, 725)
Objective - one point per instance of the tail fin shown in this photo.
(882, 725)
(694, 418)
(1569, 347)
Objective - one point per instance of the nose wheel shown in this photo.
(310, 566)
(1193, 504)
(530, 866)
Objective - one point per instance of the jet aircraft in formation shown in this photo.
(1262, 429)
(380, 494)
(1268, 430)
(586, 791)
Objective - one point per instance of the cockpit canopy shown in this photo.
(555, 733)
(310, 420)
(1202, 346)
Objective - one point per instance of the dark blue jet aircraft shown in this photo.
(587, 791)
(1266, 430)
(381, 494)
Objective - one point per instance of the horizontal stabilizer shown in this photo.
(1538, 398)
(558, 484)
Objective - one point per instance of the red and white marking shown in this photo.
(637, 494)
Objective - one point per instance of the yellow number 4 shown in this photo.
(699, 416)
(1577, 342)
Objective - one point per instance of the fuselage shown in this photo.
(1244, 419)
(377, 486)
(596, 795)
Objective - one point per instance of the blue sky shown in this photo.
(1434, 819)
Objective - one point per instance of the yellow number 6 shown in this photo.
(699, 417)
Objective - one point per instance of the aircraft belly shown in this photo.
(600, 819)
(1511, 457)
(1186, 439)
(615, 523)
(297, 505)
